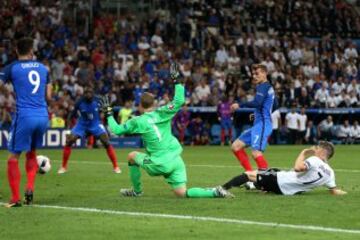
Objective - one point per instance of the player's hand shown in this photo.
(308, 152)
(338, 192)
(105, 105)
(174, 71)
(234, 107)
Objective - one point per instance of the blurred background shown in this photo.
(124, 48)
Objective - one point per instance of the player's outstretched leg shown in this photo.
(110, 152)
(240, 180)
(70, 140)
(31, 170)
(238, 148)
(217, 192)
(14, 177)
(135, 177)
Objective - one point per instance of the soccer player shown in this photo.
(89, 122)
(30, 80)
(311, 170)
(163, 150)
(257, 136)
(224, 116)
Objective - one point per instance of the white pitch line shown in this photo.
(199, 218)
(206, 165)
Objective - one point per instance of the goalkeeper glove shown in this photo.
(174, 72)
(105, 106)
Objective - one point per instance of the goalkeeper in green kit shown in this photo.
(163, 150)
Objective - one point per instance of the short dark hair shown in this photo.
(259, 66)
(328, 147)
(147, 100)
(24, 45)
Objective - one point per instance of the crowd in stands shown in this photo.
(307, 46)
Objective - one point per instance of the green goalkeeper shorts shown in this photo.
(174, 171)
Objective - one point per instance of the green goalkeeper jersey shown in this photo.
(155, 128)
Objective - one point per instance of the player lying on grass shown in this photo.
(311, 170)
(163, 150)
(89, 121)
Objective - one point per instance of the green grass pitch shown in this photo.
(90, 184)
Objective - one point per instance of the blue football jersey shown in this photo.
(29, 79)
(88, 112)
(263, 102)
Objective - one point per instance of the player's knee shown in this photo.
(180, 192)
(251, 175)
(105, 143)
(236, 146)
(70, 140)
(256, 153)
(131, 157)
(13, 158)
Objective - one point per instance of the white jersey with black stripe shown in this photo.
(318, 173)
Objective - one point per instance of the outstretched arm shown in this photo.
(119, 129)
(179, 96)
(130, 127)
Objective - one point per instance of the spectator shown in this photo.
(310, 135)
(332, 100)
(125, 112)
(292, 125)
(295, 56)
(338, 86)
(201, 93)
(355, 131)
(344, 132)
(350, 52)
(221, 55)
(325, 129)
(302, 118)
(276, 124)
(58, 120)
(321, 96)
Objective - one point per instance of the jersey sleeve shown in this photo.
(130, 127)
(175, 105)
(5, 74)
(331, 183)
(261, 93)
(310, 162)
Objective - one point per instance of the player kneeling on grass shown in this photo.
(163, 150)
(311, 170)
(89, 121)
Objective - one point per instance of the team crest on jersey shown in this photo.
(171, 106)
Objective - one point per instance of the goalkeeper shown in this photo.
(163, 150)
